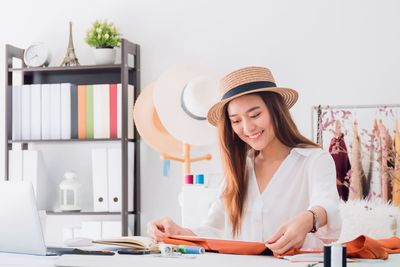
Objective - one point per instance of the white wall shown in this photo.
(332, 52)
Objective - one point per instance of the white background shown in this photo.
(332, 52)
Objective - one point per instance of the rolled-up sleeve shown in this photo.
(214, 223)
(323, 192)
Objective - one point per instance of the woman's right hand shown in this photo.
(164, 227)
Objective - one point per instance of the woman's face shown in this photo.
(251, 121)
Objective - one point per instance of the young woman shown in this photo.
(280, 187)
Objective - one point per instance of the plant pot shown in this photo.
(104, 56)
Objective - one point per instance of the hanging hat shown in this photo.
(182, 97)
(245, 81)
(150, 127)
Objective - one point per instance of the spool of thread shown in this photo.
(199, 179)
(190, 250)
(166, 249)
(189, 179)
(335, 256)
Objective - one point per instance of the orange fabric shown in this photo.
(368, 248)
(219, 245)
(361, 247)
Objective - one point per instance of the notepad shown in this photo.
(136, 242)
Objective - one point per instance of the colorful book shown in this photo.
(113, 111)
(81, 111)
(74, 112)
(89, 111)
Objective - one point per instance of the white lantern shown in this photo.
(69, 192)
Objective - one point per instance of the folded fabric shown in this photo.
(361, 247)
(221, 245)
(368, 248)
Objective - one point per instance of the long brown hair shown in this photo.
(234, 153)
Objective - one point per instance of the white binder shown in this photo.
(26, 112)
(46, 111)
(114, 179)
(35, 120)
(100, 180)
(16, 112)
(65, 111)
(55, 116)
(101, 111)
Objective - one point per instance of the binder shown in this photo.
(35, 120)
(74, 112)
(81, 111)
(16, 113)
(26, 112)
(55, 115)
(89, 111)
(100, 180)
(101, 111)
(114, 179)
(65, 111)
(113, 111)
(119, 106)
(46, 111)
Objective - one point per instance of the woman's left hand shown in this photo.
(291, 234)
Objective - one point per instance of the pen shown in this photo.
(133, 252)
(88, 252)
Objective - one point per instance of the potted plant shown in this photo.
(103, 36)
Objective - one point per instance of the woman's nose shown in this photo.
(248, 126)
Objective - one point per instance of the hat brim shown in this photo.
(167, 100)
(150, 127)
(290, 97)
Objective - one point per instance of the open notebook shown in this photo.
(134, 242)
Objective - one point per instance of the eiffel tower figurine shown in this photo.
(70, 58)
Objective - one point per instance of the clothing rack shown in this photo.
(317, 113)
(356, 106)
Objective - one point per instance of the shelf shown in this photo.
(126, 73)
(85, 213)
(71, 69)
(67, 140)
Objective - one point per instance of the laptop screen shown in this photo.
(20, 228)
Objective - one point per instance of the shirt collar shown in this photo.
(306, 151)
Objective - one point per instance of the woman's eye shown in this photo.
(234, 122)
(255, 115)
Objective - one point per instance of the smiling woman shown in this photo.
(280, 187)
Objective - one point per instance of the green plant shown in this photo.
(103, 34)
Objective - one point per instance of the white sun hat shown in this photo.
(182, 97)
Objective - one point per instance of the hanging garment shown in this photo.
(338, 151)
(390, 163)
(357, 172)
(374, 172)
(396, 173)
(384, 162)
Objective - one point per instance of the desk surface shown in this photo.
(208, 259)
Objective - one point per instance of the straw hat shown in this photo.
(182, 96)
(150, 127)
(245, 81)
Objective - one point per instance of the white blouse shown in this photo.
(305, 178)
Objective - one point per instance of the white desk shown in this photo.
(206, 260)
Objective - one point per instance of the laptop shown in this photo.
(20, 227)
